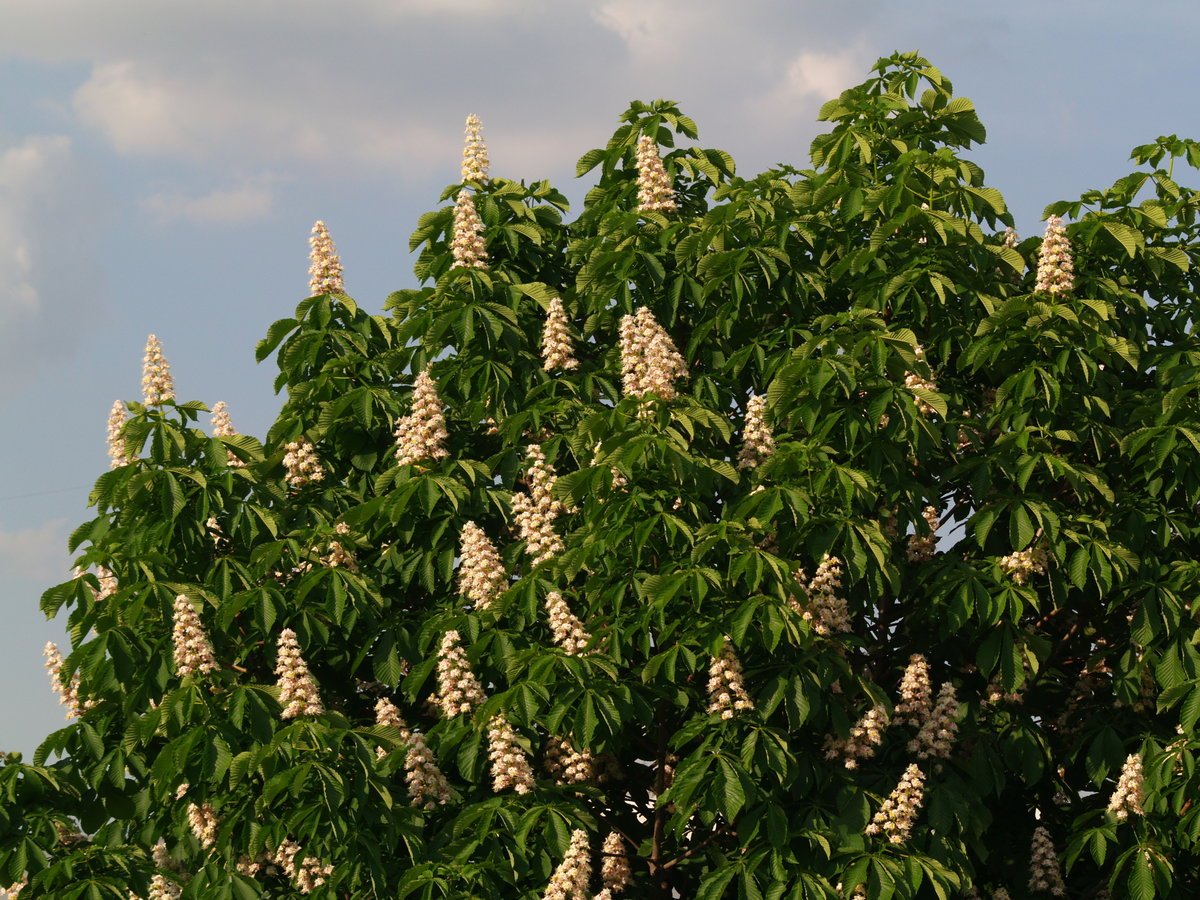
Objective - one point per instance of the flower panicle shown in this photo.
(536, 511)
(650, 361)
(325, 266)
(421, 435)
(615, 873)
(481, 575)
(202, 819)
(1056, 263)
(823, 607)
(898, 814)
(655, 190)
(475, 163)
(726, 689)
(298, 691)
(757, 441)
(222, 427)
(865, 737)
(558, 350)
(509, 762)
(118, 448)
(570, 880)
(459, 691)
(565, 626)
(1045, 870)
(916, 693)
(922, 547)
(158, 386)
(467, 246)
(301, 464)
(1129, 796)
(935, 738)
(193, 652)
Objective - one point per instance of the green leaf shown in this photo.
(1128, 238)
(1140, 881)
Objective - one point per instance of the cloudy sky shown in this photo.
(161, 165)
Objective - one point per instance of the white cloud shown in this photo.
(650, 29)
(50, 281)
(289, 113)
(28, 171)
(223, 205)
(821, 76)
(38, 554)
(137, 113)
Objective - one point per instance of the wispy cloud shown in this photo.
(27, 171)
(245, 202)
(50, 279)
(38, 553)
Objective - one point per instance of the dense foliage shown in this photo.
(643, 654)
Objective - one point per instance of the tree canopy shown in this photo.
(803, 535)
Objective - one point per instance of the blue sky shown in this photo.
(161, 165)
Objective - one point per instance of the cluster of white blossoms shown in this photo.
(565, 626)
(337, 556)
(459, 691)
(325, 268)
(215, 533)
(655, 191)
(1045, 871)
(865, 736)
(650, 361)
(899, 811)
(558, 351)
(566, 765)
(301, 464)
(937, 733)
(570, 880)
(995, 693)
(467, 245)
(922, 547)
(298, 693)
(427, 786)
(510, 764)
(481, 575)
(222, 427)
(106, 579)
(536, 511)
(161, 857)
(823, 608)
(1127, 798)
(118, 450)
(308, 874)
(726, 692)
(162, 888)
(422, 433)
(913, 381)
(916, 693)
(475, 156)
(1021, 565)
(193, 650)
(158, 386)
(204, 823)
(1011, 238)
(614, 864)
(757, 442)
(1056, 266)
(67, 691)
(387, 715)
